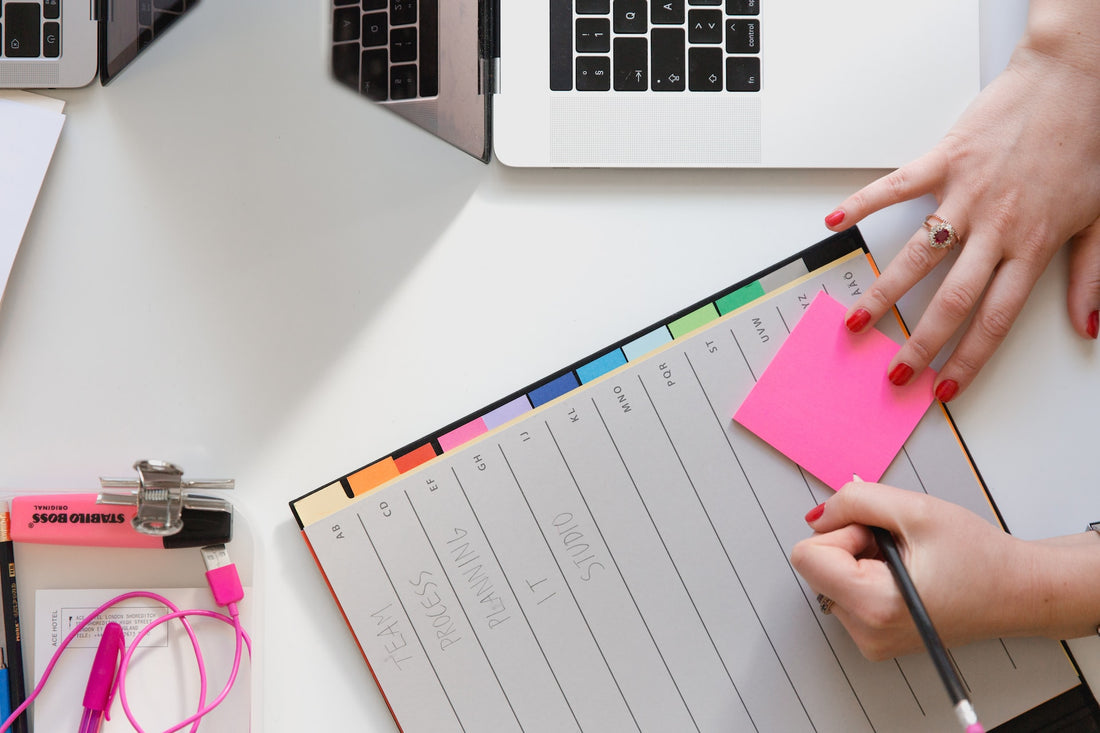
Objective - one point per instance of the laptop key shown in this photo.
(630, 16)
(22, 30)
(374, 78)
(51, 9)
(593, 35)
(402, 45)
(705, 2)
(742, 7)
(375, 5)
(743, 74)
(667, 59)
(561, 45)
(667, 12)
(51, 40)
(742, 36)
(345, 64)
(429, 48)
(704, 26)
(376, 30)
(345, 24)
(402, 12)
(593, 73)
(631, 59)
(705, 69)
(403, 81)
(593, 7)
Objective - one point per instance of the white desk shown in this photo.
(240, 267)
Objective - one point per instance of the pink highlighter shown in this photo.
(87, 519)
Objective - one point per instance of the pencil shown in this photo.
(964, 709)
(12, 632)
(5, 701)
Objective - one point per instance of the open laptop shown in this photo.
(783, 83)
(62, 43)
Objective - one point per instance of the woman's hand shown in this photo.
(1017, 177)
(975, 580)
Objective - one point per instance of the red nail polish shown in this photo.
(834, 218)
(1094, 324)
(946, 390)
(815, 513)
(900, 374)
(858, 320)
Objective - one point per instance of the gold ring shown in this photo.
(826, 603)
(941, 235)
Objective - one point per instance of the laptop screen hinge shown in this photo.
(490, 76)
(489, 73)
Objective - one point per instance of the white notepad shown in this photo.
(617, 559)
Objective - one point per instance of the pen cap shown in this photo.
(102, 677)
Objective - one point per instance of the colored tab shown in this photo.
(372, 476)
(552, 390)
(462, 434)
(643, 345)
(414, 458)
(602, 365)
(697, 318)
(321, 503)
(507, 412)
(741, 296)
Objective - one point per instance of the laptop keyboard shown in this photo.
(30, 29)
(655, 45)
(33, 29)
(387, 49)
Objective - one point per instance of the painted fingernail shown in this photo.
(834, 218)
(814, 514)
(946, 390)
(1094, 324)
(900, 374)
(858, 320)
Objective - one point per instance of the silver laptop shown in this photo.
(62, 43)
(777, 83)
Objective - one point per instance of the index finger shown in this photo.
(912, 180)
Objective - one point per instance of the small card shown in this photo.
(825, 401)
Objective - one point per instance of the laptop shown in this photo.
(684, 83)
(62, 43)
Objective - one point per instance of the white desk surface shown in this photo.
(240, 267)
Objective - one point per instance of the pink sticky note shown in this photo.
(825, 401)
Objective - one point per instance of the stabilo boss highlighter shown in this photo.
(83, 519)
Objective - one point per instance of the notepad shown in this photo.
(29, 127)
(607, 549)
(825, 401)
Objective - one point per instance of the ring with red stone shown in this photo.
(941, 235)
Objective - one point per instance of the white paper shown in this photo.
(162, 681)
(29, 127)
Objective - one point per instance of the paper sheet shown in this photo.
(825, 402)
(164, 661)
(29, 127)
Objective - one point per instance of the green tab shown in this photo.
(693, 320)
(739, 297)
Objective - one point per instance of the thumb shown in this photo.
(875, 505)
(1083, 296)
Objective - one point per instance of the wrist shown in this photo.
(1065, 30)
(1065, 598)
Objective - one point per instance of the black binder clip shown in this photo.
(166, 507)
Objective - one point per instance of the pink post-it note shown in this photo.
(825, 401)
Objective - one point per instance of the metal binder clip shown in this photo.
(161, 495)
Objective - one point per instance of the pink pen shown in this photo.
(101, 681)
